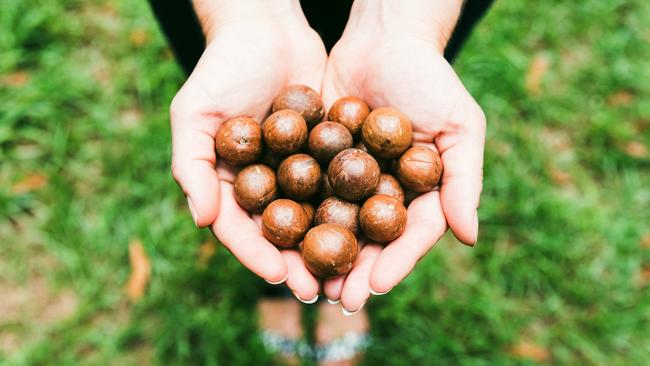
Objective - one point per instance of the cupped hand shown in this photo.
(406, 70)
(248, 60)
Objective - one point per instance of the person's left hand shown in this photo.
(403, 68)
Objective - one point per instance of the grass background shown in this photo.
(561, 273)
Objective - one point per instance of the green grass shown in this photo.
(85, 88)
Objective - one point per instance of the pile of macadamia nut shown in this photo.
(353, 168)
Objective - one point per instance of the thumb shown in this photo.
(193, 155)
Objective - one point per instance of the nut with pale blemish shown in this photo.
(382, 218)
(329, 250)
(239, 141)
(419, 169)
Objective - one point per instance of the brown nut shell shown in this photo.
(387, 133)
(327, 139)
(284, 132)
(284, 223)
(329, 250)
(239, 141)
(353, 174)
(255, 187)
(419, 169)
(309, 210)
(390, 186)
(350, 112)
(382, 218)
(326, 189)
(299, 176)
(334, 210)
(302, 99)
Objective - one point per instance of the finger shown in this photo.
(303, 284)
(332, 288)
(356, 289)
(424, 226)
(461, 145)
(193, 158)
(243, 237)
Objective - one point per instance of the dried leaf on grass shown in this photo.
(535, 73)
(17, 79)
(140, 271)
(636, 149)
(206, 251)
(560, 177)
(645, 241)
(29, 184)
(621, 98)
(644, 275)
(531, 351)
(139, 37)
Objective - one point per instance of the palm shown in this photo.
(406, 72)
(240, 72)
(403, 72)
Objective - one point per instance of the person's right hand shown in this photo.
(254, 49)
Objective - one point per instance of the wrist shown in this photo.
(215, 14)
(433, 20)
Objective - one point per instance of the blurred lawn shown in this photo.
(561, 273)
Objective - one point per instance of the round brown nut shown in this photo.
(284, 223)
(387, 132)
(335, 210)
(284, 132)
(309, 210)
(239, 141)
(382, 218)
(350, 112)
(353, 174)
(255, 187)
(419, 169)
(390, 186)
(385, 165)
(299, 176)
(329, 250)
(327, 139)
(302, 99)
(326, 189)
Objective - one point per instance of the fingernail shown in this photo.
(311, 301)
(475, 229)
(350, 313)
(379, 293)
(278, 282)
(195, 214)
(333, 302)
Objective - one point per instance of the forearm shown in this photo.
(213, 14)
(433, 19)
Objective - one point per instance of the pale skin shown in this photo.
(390, 55)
